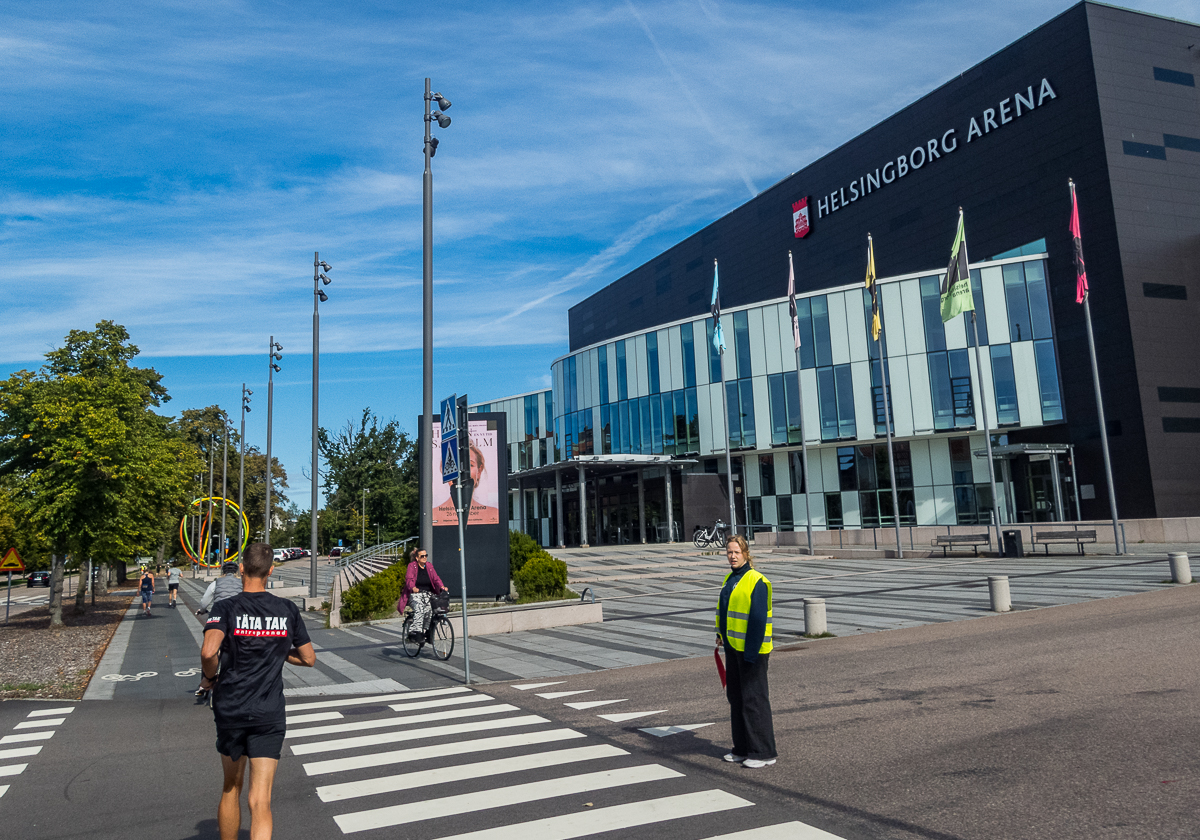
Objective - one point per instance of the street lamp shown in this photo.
(363, 544)
(224, 481)
(242, 468)
(426, 434)
(319, 297)
(273, 356)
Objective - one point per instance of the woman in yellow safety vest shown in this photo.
(744, 627)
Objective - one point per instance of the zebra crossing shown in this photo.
(39, 725)
(456, 763)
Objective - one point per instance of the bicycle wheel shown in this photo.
(698, 538)
(411, 648)
(443, 638)
(720, 539)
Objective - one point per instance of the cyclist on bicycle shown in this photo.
(420, 581)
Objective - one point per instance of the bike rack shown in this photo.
(587, 590)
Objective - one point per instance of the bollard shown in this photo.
(1181, 569)
(998, 589)
(814, 617)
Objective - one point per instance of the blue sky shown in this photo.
(172, 166)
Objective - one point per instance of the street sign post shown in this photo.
(454, 433)
(12, 562)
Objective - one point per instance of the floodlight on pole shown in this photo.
(246, 392)
(319, 297)
(273, 356)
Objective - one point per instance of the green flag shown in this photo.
(956, 287)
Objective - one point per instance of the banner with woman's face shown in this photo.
(484, 492)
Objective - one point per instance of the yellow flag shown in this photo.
(876, 326)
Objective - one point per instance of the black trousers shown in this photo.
(749, 705)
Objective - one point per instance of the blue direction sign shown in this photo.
(449, 440)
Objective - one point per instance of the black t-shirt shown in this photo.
(424, 584)
(260, 629)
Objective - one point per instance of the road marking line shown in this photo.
(591, 704)
(496, 742)
(412, 734)
(384, 723)
(66, 710)
(461, 772)
(20, 752)
(441, 702)
(3, 789)
(380, 698)
(537, 685)
(27, 736)
(499, 797)
(663, 731)
(554, 695)
(35, 724)
(13, 769)
(621, 717)
(784, 831)
(313, 718)
(612, 818)
(372, 639)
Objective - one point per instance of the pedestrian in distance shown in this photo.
(226, 586)
(420, 582)
(247, 640)
(173, 577)
(146, 587)
(744, 629)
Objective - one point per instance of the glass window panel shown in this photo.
(635, 428)
(603, 356)
(1047, 374)
(689, 356)
(652, 360)
(845, 400)
(939, 389)
(714, 356)
(606, 430)
(902, 455)
(887, 517)
(960, 386)
(656, 425)
(931, 309)
(796, 471)
(964, 505)
(668, 422)
(734, 420)
(749, 437)
(778, 403)
(833, 511)
(766, 474)
(878, 396)
(622, 373)
(883, 470)
(980, 311)
(693, 420)
(569, 442)
(847, 468)
(820, 324)
(868, 509)
(960, 460)
(679, 418)
(647, 435)
(1018, 303)
(807, 345)
(1005, 383)
(549, 399)
(1039, 303)
(865, 461)
(756, 514)
(827, 404)
(786, 521)
(908, 506)
(791, 381)
(741, 335)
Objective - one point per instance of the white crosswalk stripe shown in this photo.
(44, 723)
(472, 774)
(39, 723)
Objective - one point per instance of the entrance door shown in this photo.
(1041, 492)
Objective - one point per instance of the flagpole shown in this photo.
(803, 428)
(720, 339)
(993, 514)
(887, 419)
(1108, 476)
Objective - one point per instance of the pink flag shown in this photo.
(1081, 284)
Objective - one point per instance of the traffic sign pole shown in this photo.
(452, 471)
(8, 605)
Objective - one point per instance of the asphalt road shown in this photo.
(1073, 722)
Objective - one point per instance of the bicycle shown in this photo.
(441, 632)
(704, 537)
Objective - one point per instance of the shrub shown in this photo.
(541, 577)
(521, 549)
(376, 596)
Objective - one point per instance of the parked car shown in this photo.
(338, 551)
(279, 555)
(37, 579)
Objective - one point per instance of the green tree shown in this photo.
(371, 456)
(92, 467)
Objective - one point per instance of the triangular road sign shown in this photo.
(12, 562)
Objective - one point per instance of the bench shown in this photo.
(945, 541)
(1078, 537)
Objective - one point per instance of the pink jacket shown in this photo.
(410, 583)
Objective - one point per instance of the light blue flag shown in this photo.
(718, 335)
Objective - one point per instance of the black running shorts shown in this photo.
(265, 741)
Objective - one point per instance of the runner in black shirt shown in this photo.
(250, 636)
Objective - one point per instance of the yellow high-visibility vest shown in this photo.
(737, 614)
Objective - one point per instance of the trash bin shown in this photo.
(1013, 546)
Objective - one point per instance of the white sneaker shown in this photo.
(734, 759)
(754, 763)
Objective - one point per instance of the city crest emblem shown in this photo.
(800, 217)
